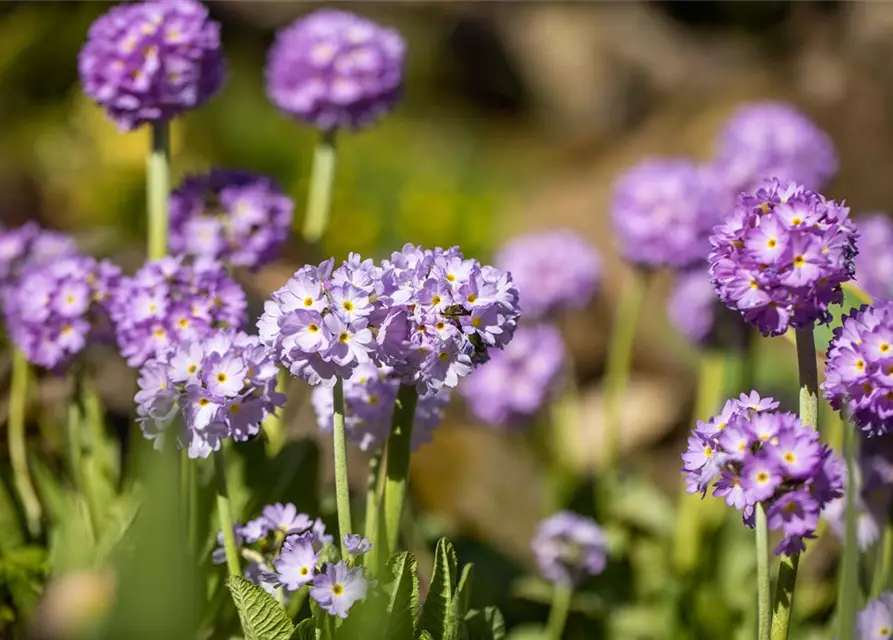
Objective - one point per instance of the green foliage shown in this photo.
(306, 630)
(439, 616)
(262, 617)
(403, 605)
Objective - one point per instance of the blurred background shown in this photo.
(517, 117)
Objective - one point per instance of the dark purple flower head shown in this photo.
(152, 61)
(875, 621)
(781, 257)
(54, 310)
(773, 140)
(336, 588)
(569, 547)
(335, 70)
(356, 544)
(508, 390)
(173, 300)
(221, 386)
(874, 264)
(752, 454)
(369, 396)
(662, 212)
(239, 218)
(553, 270)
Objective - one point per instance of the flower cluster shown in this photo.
(285, 549)
(335, 70)
(369, 396)
(781, 257)
(29, 246)
(173, 300)
(152, 61)
(773, 140)
(875, 621)
(695, 311)
(859, 367)
(553, 271)
(662, 212)
(240, 218)
(221, 386)
(874, 264)
(510, 388)
(569, 547)
(56, 308)
(753, 455)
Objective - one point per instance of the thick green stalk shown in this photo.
(342, 488)
(881, 577)
(18, 453)
(225, 514)
(561, 605)
(82, 458)
(764, 595)
(373, 504)
(319, 196)
(158, 189)
(809, 415)
(397, 470)
(273, 427)
(848, 583)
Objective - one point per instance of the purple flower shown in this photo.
(569, 547)
(218, 556)
(695, 311)
(285, 518)
(239, 218)
(27, 246)
(172, 301)
(780, 258)
(335, 70)
(356, 544)
(296, 564)
(553, 270)
(874, 264)
(875, 621)
(369, 396)
(752, 454)
(337, 588)
(773, 140)
(509, 389)
(662, 212)
(254, 530)
(152, 61)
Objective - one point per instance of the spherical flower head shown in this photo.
(239, 218)
(369, 396)
(221, 386)
(173, 300)
(152, 61)
(553, 271)
(662, 212)
(335, 70)
(781, 257)
(875, 621)
(695, 311)
(28, 246)
(751, 454)
(511, 388)
(56, 309)
(874, 264)
(569, 547)
(337, 588)
(356, 544)
(773, 140)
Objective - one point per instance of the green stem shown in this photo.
(158, 189)
(809, 415)
(397, 471)
(225, 514)
(18, 454)
(848, 584)
(319, 196)
(561, 605)
(82, 458)
(273, 427)
(881, 577)
(373, 502)
(342, 488)
(764, 596)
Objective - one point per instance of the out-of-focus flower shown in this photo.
(781, 257)
(285, 518)
(335, 70)
(697, 313)
(171, 301)
(875, 621)
(337, 588)
(30, 246)
(152, 61)
(569, 547)
(356, 544)
(509, 389)
(239, 218)
(553, 270)
(874, 264)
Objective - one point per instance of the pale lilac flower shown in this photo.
(569, 547)
(356, 544)
(285, 518)
(337, 588)
(296, 564)
(874, 263)
(875, 621)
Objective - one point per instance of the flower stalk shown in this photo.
(764, 614)
(342, 488)
(848, 582)
(158, 188)
(225, 514)
(399, 452)
(374, 488)
(319, 197)
(18, 453)
(561, 605)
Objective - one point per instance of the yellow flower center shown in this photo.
(203, 402)
(344, 337)
(313, 328)
(796, 221)
(337, 589)
(771, 243)
(435, 300)
(471, 297)
(347, 305)
(221, 377)
(763, 477)
(799, 261)
(451, 277)
(304, 571)
(884, 348)
(192, 368)
(308, 302)
(475, 322)
(790, 458)
(860, 364)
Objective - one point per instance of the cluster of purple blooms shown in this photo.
(553, 271)
(239, 218)
(27, 246)
(752, 455)
(569, 547)
(173, 300)
(874, 264)
(220, 386)
(152, 61)
(335, 70)
(55, 309)
(875, 621)
(781, 257)
(859, 368)
(285, 549)
(369, 396)
(508, 390)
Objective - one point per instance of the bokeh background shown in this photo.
(517, 117)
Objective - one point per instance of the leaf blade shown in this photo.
(262, 617)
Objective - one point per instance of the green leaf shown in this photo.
(485, 625)
(439, 614)
(463, 592)
(403, 607)
(306, 630)
(262, 617)
(424, 635)
(824, 332)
